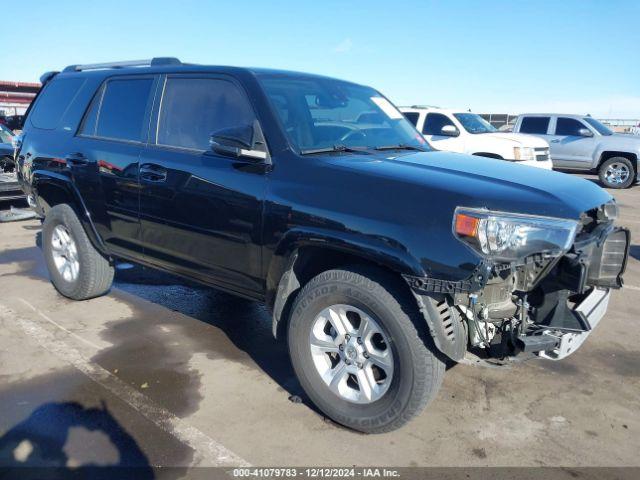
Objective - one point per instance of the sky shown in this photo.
(573, 56)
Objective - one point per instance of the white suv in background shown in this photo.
(466, 132)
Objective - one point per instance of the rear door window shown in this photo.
(54, 101)
(123, 109)
(434, 122)
(194, 108)
(535, 125)
(568, 127)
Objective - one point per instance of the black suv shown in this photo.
(379, 259)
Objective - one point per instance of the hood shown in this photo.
(450, 180)
(621, 142)
(517, 139)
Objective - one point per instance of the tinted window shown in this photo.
(122, 111)
(194, 108)
(412, 117)
(538, 125)
(568, 126)
(54, 101)
(434, 122)
(90, 121)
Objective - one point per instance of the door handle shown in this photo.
(153, 173)
(554, 141)
(76, 159)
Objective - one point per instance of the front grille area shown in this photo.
(609, 260)
(542, 154)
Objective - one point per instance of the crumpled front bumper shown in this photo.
(591, 310)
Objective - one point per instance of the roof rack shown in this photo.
(152, 62)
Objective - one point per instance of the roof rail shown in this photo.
(152, 62)
(424, 106)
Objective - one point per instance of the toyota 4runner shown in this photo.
(378, 258)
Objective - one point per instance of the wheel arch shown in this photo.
(303, 254)
(607, 154)
(50, 189)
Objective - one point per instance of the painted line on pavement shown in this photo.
(208, 452)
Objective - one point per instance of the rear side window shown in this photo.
(434, 122)
(119, 109)
(568, 126)
(536, 125)
(194, 108)
(412, 117)
(123, 108)
(54, 102)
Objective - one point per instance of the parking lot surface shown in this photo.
(164, 373)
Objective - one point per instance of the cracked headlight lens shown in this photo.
(509, 236)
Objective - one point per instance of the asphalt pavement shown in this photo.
(164, 373)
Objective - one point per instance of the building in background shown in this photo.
(15, 97)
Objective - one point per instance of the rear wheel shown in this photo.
(617, 172)
(357, 352)
(77, 270)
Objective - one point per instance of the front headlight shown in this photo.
(522, 154)
(510, 236)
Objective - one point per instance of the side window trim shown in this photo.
(155, 116)
(101, 91)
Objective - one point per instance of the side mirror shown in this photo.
(245, 141)
(449, 131)
(585, 132)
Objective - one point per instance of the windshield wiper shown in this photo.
(400, 146)
(335, 148)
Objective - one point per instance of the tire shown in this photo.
(617, 172)
(93, 274)
(416, 371)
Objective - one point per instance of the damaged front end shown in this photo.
(540, 288)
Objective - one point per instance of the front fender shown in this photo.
(52, 188)
(281, 276)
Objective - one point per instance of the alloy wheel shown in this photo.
(351, 353)
(617, 173)
(65, 253)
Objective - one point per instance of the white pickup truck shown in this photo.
(469, 133)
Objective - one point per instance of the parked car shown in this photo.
(580, 142)
(377, 257)
(9, 186)
(14, 122)
(466, 132)
(6, 149)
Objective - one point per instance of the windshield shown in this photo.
(474, 123)
(602, 129)
(321, 113)
(5, 134)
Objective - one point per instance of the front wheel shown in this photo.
(357, 351)
(617, 172)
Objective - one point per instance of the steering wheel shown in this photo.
(353, 133)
